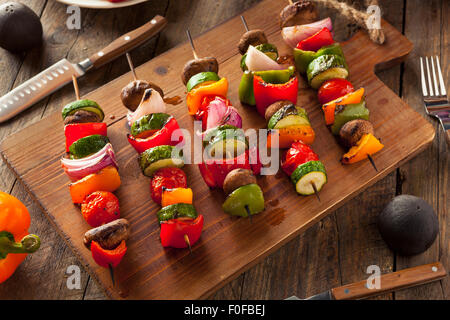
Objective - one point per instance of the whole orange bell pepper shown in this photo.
(14, 224)
(367, 145)
(195, 96)
(107, 179)
(289, 135)
(350, 98)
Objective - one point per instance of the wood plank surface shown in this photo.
(151, 272)
(316, 267)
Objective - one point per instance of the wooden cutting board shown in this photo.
(228, 245)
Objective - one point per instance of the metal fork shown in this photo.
(435, 100)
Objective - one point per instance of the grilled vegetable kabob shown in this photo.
(154, 136)
(322, 60)
(92, 167)
(229, 162)
(274, 88)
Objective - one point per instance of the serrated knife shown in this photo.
(59, 74)
(389, 282)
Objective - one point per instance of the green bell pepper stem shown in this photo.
(29, 244)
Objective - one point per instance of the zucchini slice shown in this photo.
(303, 58)
(287, 116)
(160, 157)
(177, 210)
(306, 174)
(88, 145)
(201, 77)
(154, 121)
(324, 68)
(229, 142)
(85, 104)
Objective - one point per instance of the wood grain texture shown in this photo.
(427, 175)
(151, 272)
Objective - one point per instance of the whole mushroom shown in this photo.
(251, 38)
(298, 13)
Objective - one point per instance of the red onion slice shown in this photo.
(77, 169)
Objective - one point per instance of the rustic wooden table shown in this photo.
(335, 251)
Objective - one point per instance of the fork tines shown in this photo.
(435, 88)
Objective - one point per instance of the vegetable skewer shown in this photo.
(287, 122)
(93, 170)
(318, 56)
(152, 131)
(233, 170)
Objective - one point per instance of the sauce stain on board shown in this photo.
(276, 216)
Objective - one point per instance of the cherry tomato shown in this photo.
(168, 178)
(333, 89)
(296, 155)
(99, 208)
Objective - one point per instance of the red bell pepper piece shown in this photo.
(316, 41)
(106, 258)
(76, 131)
(296, 155)
(161, 137)
(268, 93)
(214, 171)
(173, 232)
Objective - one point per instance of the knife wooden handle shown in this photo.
(128, 41)
(392, 281)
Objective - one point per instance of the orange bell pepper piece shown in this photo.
(107, 179)
(330, 107)
(176, 195)
(289, 135)
(195, 96)
(14, 224)
(367, 145)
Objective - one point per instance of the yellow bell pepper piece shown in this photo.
(195, 96)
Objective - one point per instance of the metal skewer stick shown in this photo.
(245, 24)
(315, 190)
(130, 63)
(186, 239)
(249, 215)
(75, 86)
(192, 44)
(111, 272)
(372, 162)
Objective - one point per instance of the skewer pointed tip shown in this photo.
(372, 162)
(111, 273)
(315, 191)
(249, 215)
(186, 239)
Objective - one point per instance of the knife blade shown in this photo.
(59, 74)
(389, 282)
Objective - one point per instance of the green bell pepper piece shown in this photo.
(244, 200)
(246, 94)
(346, 113)
(303, 58)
